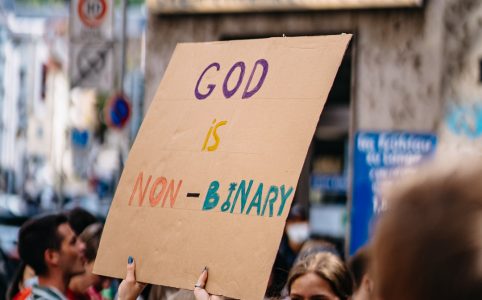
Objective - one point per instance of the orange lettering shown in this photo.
(172, 194)
(155, 200)
(142, 192)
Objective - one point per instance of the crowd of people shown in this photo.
(426, 245)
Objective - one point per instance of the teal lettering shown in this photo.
(256, 201)
(226, 203)
(244, 194)
(284, 197)
(212, 197)
(271, 198)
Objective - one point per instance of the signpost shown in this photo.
(91, 44)
(117, 111)
(92, 12)
(380, 157)
(212, 173)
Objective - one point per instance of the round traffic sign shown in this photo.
(92, 12)
(117, 111)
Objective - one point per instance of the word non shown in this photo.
(160, 189)
(227, 92)
(215, 136)
(244, 198)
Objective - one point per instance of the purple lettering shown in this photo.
(229, 93)
(264, 64)
(210, 87)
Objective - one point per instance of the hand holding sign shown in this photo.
(130, 289)
(199, 288)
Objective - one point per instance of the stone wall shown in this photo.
(460, 129)
(398, 61)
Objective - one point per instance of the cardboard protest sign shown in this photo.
(213, 171)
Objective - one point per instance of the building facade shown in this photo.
(410, 68)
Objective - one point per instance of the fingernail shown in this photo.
(130, 260)
(205, 268)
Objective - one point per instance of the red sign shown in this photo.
(92, 12)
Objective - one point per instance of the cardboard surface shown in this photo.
(262, 141)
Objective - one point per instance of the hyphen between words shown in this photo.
(245, 197)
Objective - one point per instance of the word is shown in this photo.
(261, 200)
(228, 93)
(212, 130)
(159, 190)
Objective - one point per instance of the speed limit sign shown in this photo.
(92, 12)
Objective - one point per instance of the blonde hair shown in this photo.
(328, 267)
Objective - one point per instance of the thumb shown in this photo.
(203, 278)
(131, 270)
(199, 291)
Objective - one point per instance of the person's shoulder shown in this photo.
(45, 293)
(23, 294)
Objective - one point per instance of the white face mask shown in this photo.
(298, 232)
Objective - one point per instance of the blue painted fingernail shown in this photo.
(205, 268)
(130, 260)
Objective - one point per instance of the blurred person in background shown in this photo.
(297, 231)
(309, 248)
(89, 286)
(295, 234)
(50, 246)
(79, 219)
(320, 275)
(21, 284)
(428, 244)
(313, 246)
(359, 265)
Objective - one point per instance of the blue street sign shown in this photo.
(378, 157)
(335, 184)
(118, 111)
(79, 137)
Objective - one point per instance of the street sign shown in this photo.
(92, 66)
(79, 138)
(379, 158)
(91, 20)
(92, 12)
(91, 39)
(117, 111)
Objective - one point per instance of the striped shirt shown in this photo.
(45, 293)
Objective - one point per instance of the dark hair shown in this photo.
(38, 235)
(79, 219)
(91, 237)
(358, 265)
(328, 267)
(297, 213)
(428, 245)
